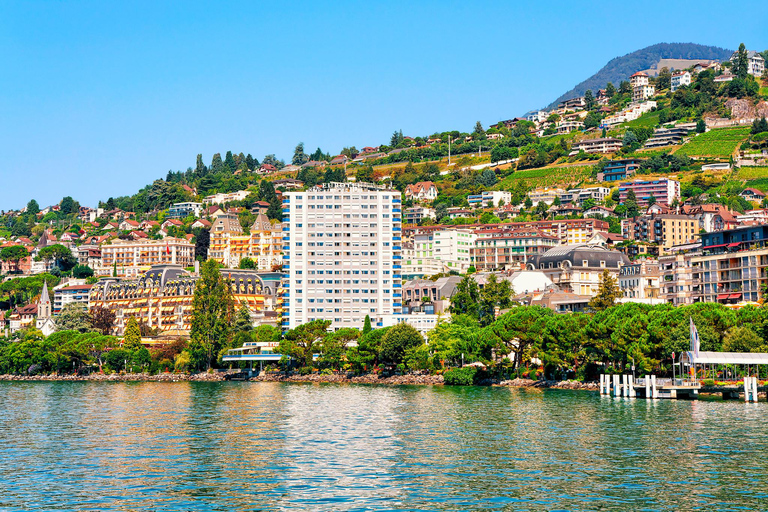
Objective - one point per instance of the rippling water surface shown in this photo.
(270, 446)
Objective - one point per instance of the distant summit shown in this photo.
(620, 68)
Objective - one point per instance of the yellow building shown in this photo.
(229, 243)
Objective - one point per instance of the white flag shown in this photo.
(695, 341)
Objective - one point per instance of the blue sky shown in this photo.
(99, 98)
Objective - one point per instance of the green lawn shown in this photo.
(649, 119)
(752, 173)
(764, 91)
(719, 143)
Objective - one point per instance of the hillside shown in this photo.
(620, 68)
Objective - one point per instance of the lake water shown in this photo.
(270, 446)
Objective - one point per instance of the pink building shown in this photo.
(664, 190)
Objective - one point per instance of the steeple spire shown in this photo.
(44, 305)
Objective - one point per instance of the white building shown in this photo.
(489, 199)
(440, 251)
(342, 246)
(546, 195)
(577, 196)
(226, 198)
(679, 79)
(182, 210)
(422, 322)
(629, 114)
(755, 62)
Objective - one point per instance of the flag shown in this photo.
(167, 248)
(695, 341)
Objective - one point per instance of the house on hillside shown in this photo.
(755, 62)
(421, 191)
(752, 194)
(679, 79)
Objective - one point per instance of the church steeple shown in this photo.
(44, 305)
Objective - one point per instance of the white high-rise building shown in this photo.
(342, 254)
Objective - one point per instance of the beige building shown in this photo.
(676, 278)
(577, 268)
(671, 230)
(130, 258)
(229, 243)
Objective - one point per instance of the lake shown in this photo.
(277, 446)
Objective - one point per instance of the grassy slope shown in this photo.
(718, 143)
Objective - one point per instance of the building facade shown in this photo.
(342, 254)
(229, 243)
(617, 170)
(664, 190)
(162, 297)
(499, 249)
(130, 258)
(577, 268)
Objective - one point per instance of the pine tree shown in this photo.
(212, 312)
(200, 168)
(216, 164)
(367, 325)
(132, 337)
(607, 294)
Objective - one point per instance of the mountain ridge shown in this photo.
(619, 68)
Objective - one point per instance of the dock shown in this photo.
(650, 387)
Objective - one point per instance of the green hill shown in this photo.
(620, 68)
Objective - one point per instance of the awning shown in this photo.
(713, 246)
(734, 296)
(722, 296)
(725, 358)
(736, 244)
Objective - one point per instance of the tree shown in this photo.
(33, 208)
(630, 141)
(247, 263)
(396, 139)
(365, 175)
(607, 294)
(478, 129)
(132, 335)
(243, 322)
(495, 294)
(216, 164)
(82, 271)
(701, 126)
(592, 120)
(743, 339)
(624, 87)
(487, 178)
(397, 341)
(664, 79)
(74, 317)
(741, 65)
(212, 313)
(367, 325)
(651, 200)
(14, 254)
(759, 126)
(59, 254)
(589, 100)
(68, 206)
(102, 319)
(466, 299)
(610, 90)
(200, 168)
(299, 157)
(303, 342)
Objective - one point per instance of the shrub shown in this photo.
(460, 376)
(305, 370)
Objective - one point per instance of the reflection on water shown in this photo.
(269, 446)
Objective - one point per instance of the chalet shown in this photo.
(189, 189)
(128, 225)
(201, 223)
(266, 169)
(752, 194)
(600, 211)
(421, 191)
(340, 160)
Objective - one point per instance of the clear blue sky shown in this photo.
(99, 98)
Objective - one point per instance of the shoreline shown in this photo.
(395, 380)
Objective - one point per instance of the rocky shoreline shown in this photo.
(394, 380)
